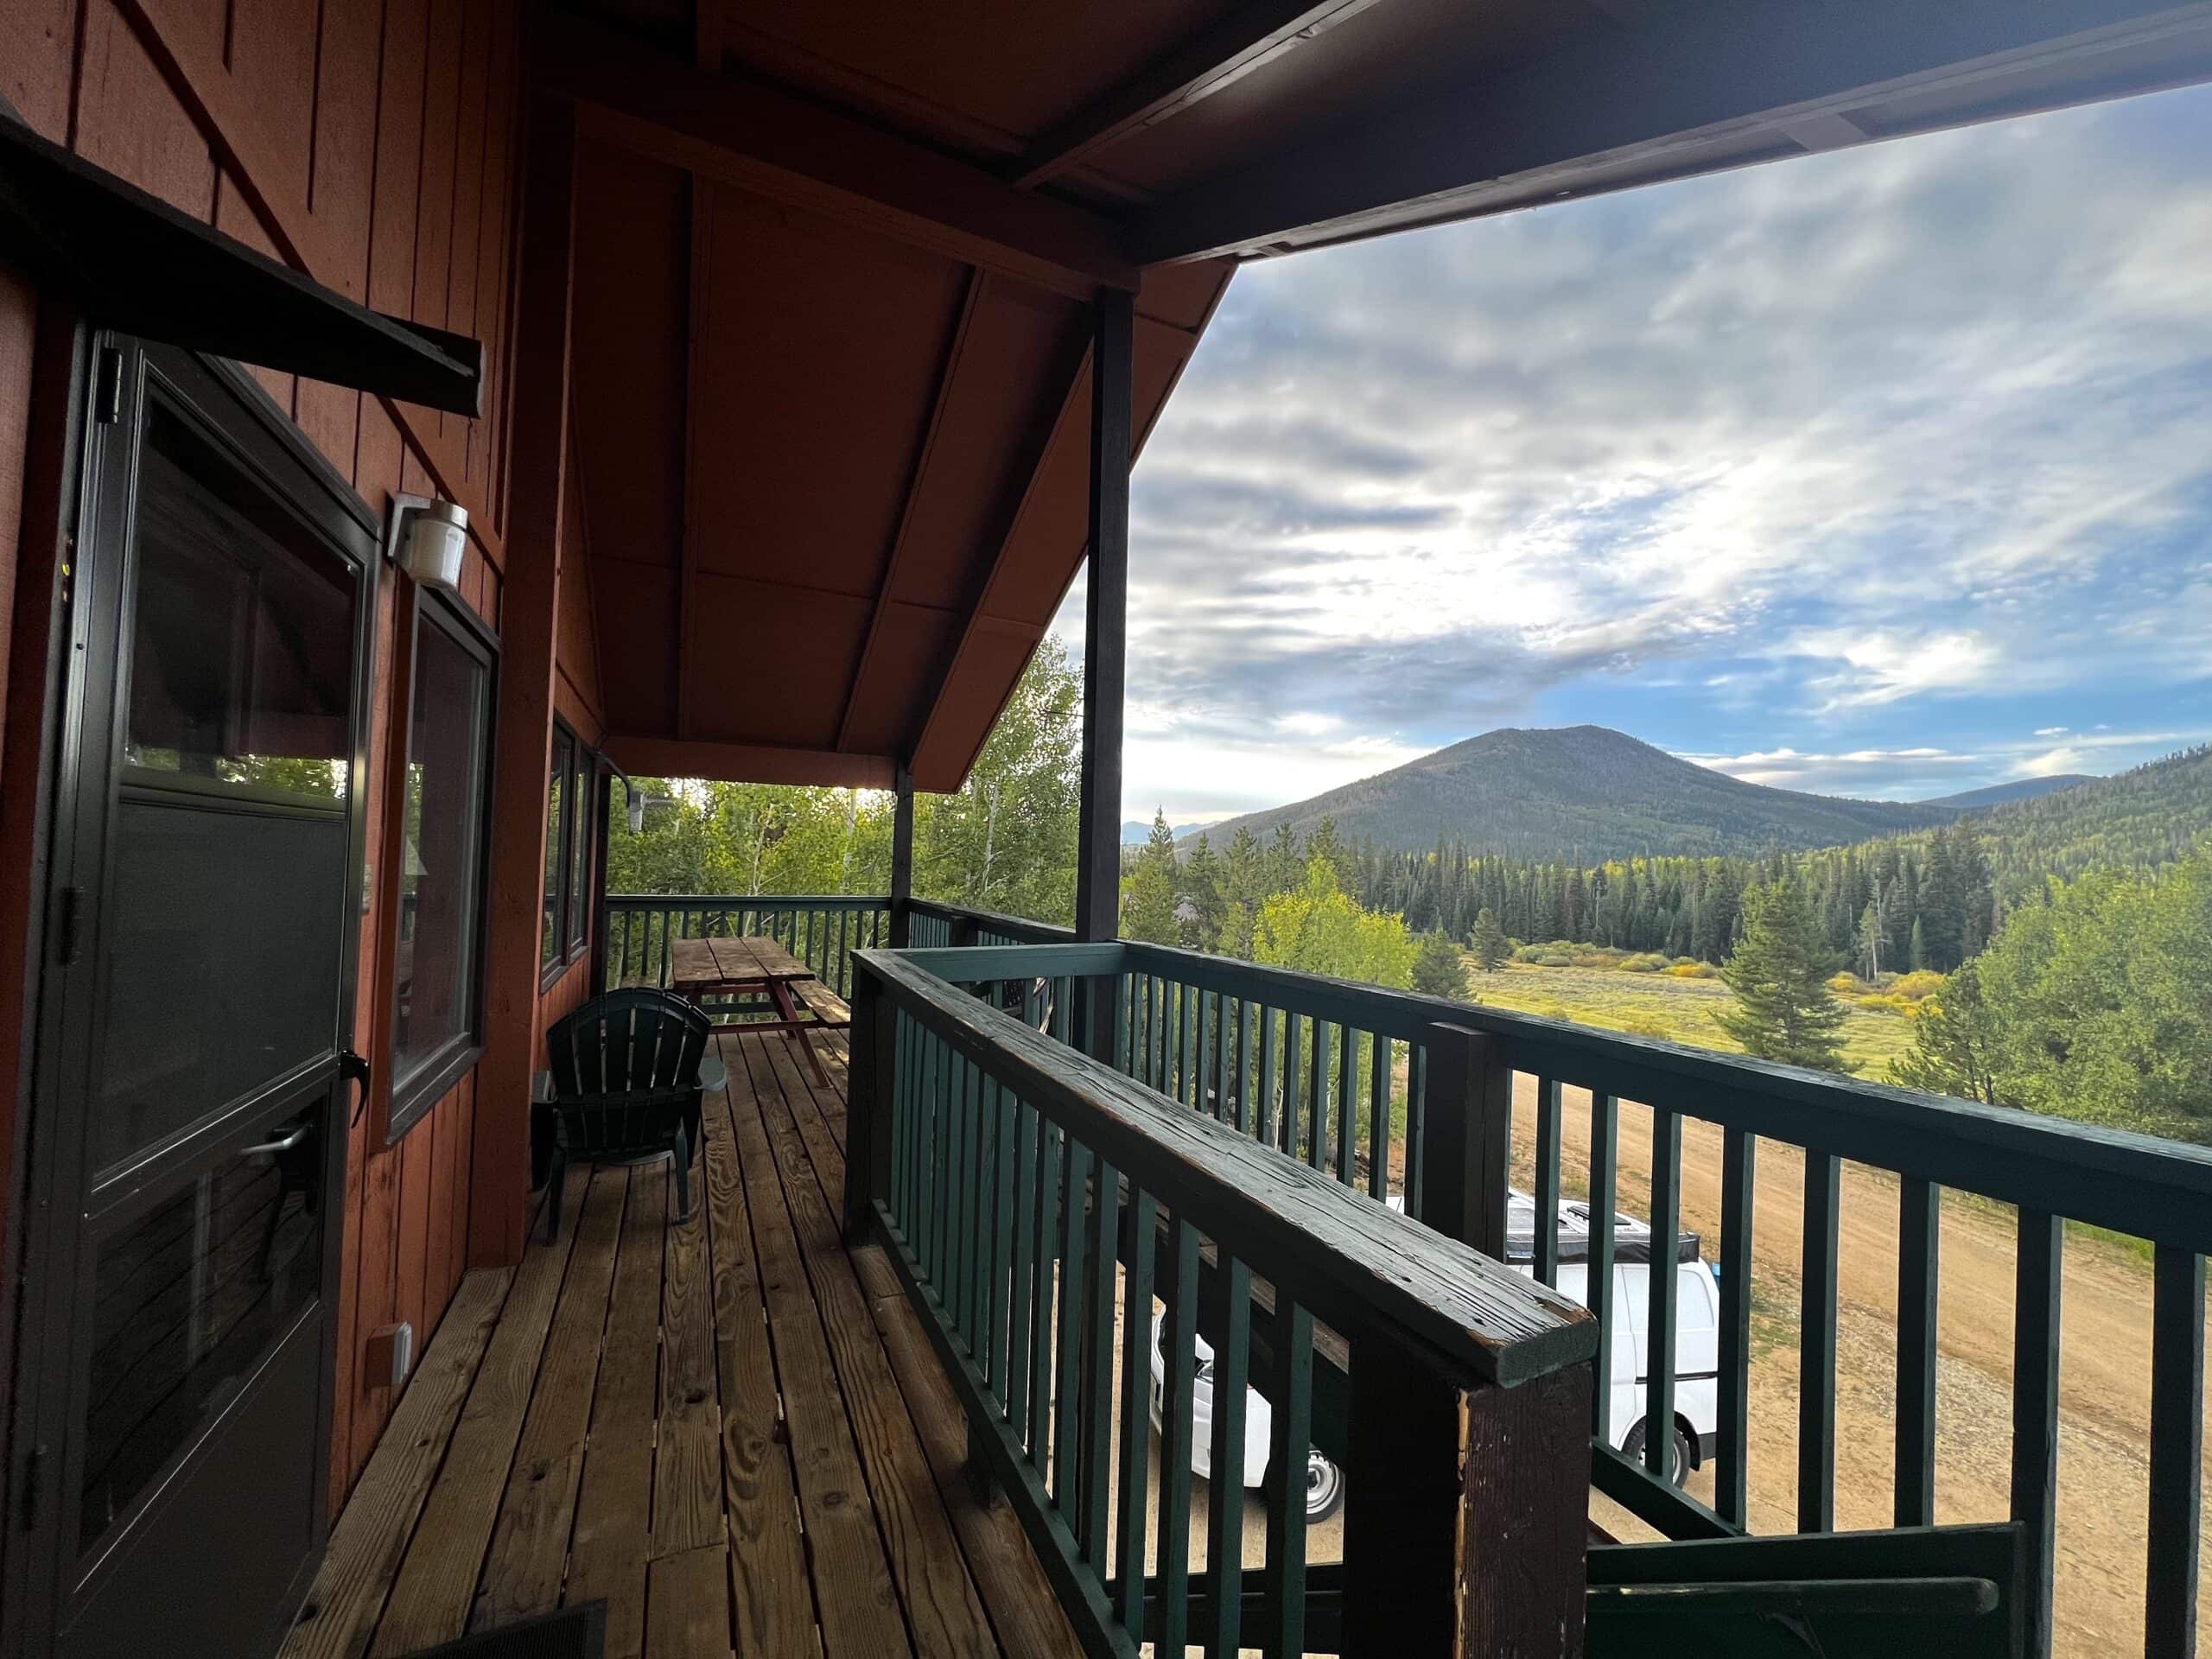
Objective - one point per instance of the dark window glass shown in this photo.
(581, 823)
(242, 642)
(186, 1301)
(230, 831)
(550, 944)
(439, 885)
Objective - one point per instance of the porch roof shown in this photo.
(833, 263)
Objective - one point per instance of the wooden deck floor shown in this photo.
(733, 1431)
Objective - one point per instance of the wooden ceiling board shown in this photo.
(769, 664)
(1017, 66)
(989, 668)
(635, 616)
(629, 343)
(1022, 348)
(912, 647)
(823, 350)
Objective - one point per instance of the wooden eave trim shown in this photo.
(971, 300)
(1665, 97)
(778, 146)
(643, 755)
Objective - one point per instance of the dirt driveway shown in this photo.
(2104, 1370)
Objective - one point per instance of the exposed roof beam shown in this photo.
(745, 763)
(1217, 56)
(768, 142)
(1688, 90)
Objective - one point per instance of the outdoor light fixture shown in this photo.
(426, 539)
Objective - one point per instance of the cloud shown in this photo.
(1806, 449)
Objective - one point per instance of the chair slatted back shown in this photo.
(625, 1065)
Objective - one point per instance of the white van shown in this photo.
(1697, 1350)
(1697, 1322)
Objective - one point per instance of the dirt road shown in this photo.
(2105, 1363)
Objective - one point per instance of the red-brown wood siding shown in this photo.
(371, 144)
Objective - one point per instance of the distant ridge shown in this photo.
(1584, 790)
(2027, 789)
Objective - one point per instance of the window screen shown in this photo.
(551, 944)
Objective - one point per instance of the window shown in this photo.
(565, 924)
(583, 825)
(551, 955)
(438, 971)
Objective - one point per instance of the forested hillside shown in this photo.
(1553, 793)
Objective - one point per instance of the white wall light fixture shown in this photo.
(428, 538)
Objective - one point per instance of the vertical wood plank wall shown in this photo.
(373, 144)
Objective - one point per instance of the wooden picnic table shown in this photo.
(751, 965)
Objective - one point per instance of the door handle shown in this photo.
(284, 1143)
(354, 1068)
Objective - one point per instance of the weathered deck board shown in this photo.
(719, 1429)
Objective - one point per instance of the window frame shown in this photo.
(553, 959)
(412, 1095)
(583, 835)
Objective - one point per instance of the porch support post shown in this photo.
(1105, 653)
(902, 858)
(1105, 638)
(1466, 1127)
(528, 604)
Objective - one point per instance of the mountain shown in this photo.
(1586, 790)
(1136, 832)
(2133, 820)
(2027, 789)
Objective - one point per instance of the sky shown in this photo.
(1885, 472)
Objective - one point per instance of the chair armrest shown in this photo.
(711, 1074)
(541, 1088)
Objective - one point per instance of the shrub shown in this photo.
(1643, 961)
(1913, 987)
(1646, 1027)
(1846, 984)
(1546, 956)
(1694, 971)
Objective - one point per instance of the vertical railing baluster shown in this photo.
(1378, 1117)
(1067, 1396)
(1816, 1346)
(1097, 1434)
(1548, 1177)
(960, 1303)
(1140, 1223)
(2034, 1415)
(1021, 1289)
(1666, 1229)
(1597, 1292)
(1416, 1114)
(1738, 1176)
(1919, 1209)
(1179, 1288)
(1282, 1581)
(1265, 1125)
(2177, 1453)
(1292, 1085)
(1231, 1309)
(1248, 1024)
(1224, 1017)
(990, 1224)
(1046, 1271)
(1316, 1097)
(1347, 1100)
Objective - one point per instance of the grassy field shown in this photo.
(1655, 1005)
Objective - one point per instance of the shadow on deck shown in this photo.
(733, 1431)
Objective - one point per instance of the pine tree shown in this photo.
(1489, 941)
(1779, 971)
(1438, 968)
(1148, 890)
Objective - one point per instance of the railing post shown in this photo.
(1467, 1134)
(869, 1110)
(1466, 1510)
(902, 858)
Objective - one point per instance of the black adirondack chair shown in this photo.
(628, 1070)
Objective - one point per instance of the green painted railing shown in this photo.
(1398, 1095)
(1028, 1194)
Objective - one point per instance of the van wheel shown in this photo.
(1325, 1488)
(1633, 1448)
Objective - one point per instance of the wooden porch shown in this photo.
(734, 1432)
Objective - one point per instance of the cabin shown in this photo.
(419, 415)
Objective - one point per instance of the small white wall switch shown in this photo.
(389, 1355)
